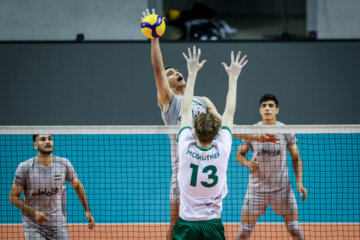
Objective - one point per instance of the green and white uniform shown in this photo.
(270, 184)
(44, 190)
(202, 182)
(202, 175)
(173, 117)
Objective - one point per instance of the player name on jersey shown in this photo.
(200, 157)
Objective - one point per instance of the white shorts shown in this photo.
(282, 202)
(46, 233)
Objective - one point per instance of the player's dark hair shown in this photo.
(34, 137)
(206, 127)
(269, 97)
(166, 68)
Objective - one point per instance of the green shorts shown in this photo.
(198, 230)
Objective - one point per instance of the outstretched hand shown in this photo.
(236, 65)
(147, 13)
(272, 138)
(192, 60)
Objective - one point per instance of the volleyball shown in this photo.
(152, 26)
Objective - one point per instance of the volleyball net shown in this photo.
(126, 171)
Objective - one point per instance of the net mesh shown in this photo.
(126, 171)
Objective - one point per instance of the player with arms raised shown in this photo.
(203, 161)
(170, 85)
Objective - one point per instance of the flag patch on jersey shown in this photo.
(57, 177)
(198, 106)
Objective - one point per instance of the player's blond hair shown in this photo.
(206, 127)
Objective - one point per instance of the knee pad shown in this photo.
(294, 229)
(245, 231)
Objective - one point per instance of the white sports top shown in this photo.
(202, 175)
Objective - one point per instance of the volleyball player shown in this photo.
(42, 178)
(268, 181)
(203, 160)
(171, 86)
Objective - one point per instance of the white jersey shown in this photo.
(44, 189)
(272, 175)
(173, 117)
(202, 175)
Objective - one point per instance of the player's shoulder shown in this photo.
(61, 160)
(201, 100)
(279, 123)
(225, 130)
(185, 131)
(176, 97)
(224, 135)
(27, 163)
(258, 123)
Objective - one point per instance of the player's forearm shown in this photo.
(298, 169)
(240, 158)
(249, 137)
(156, 55)
(186, 117)
(81, 193)
(19, 203)
(231, 99)
(215, 113)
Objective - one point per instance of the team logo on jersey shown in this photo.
(46, 192)
(198, 106)
(57, 177)
(269, 152)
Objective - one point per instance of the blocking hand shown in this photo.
(236, 65)
(192, 60)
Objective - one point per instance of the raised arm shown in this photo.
(164, 93)
(193, 67)
(233, 72)
(211, 108)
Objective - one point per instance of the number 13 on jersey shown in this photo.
(209, 170)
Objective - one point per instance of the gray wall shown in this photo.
(112, 83)
(63, 20)
(243, 7)
(333, 19)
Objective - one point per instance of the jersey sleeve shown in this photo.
(203, 103)
(225, 139)
(290, 139)
(185, 138)
(70, 174)
(170, 117)
(20, 175)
